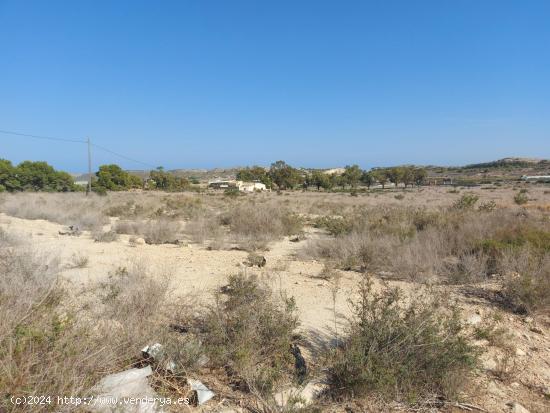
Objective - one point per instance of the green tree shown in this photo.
(352, 175)
(320, 180)
(166, 181)
(113, 178)
(284, 175)
(255, 174)
(420, 175)
(368, 178)
(8, 177)
(39, 176)
(381, 176)
(395, 175)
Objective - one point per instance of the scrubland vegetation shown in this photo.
(407, 347)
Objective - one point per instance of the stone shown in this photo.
(537, 330)
(300, 397)
(138, 241)
(474, 319)
(517, 408)
(112, 390)
(495, 390)
(489, 363)
(520, 352)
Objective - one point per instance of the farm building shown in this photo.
(239, 185)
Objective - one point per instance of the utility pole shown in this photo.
(89, 188)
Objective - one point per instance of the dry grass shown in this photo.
(159, 231)
(254, 226)
(63, 208)
(53, 345)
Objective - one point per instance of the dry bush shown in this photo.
(204, 228)
(79, 261)
(254, 226)
(409, 350)
(460, 245)
(104, 236)
(52, 345)
(249, 331)
(160, 231)
(62, 208)
(527, 280)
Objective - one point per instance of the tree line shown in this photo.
(40, 176)
(283, 176)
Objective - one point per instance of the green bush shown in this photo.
(521, 198)
(250, 332)
(395, 347)
(466, 201)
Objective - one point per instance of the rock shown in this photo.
(299, 363)
(474, 319)
(520, 352)
(537, 330)
(255, 260)
(299, 397)
(71, 230)
(495, 390)
(489, 363)
(517, 408)
(138, 241)
(203, 393)
(112, 390)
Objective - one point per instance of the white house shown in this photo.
(240, 185)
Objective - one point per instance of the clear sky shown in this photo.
(208, 83)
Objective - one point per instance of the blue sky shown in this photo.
(317, 83)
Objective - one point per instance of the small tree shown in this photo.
(352, 175)
(368, 179)
(320, 180)
(284, 175)
(395, 175)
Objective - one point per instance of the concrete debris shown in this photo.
(203, 393)
(112, 390)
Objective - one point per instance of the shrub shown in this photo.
(527, 280)
(399, 197)
(488, 206)
(79, 261)
(399, 348)
(466, 201)
(61, 342)
(249, 331)
(160, 231)
(254, 226)
(104, 236)
(521, 198)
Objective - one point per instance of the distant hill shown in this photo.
(511, 163)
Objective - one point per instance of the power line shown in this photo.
(122, 156)
(51, 138)
(56, 138)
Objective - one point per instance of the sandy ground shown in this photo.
(197, 271)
